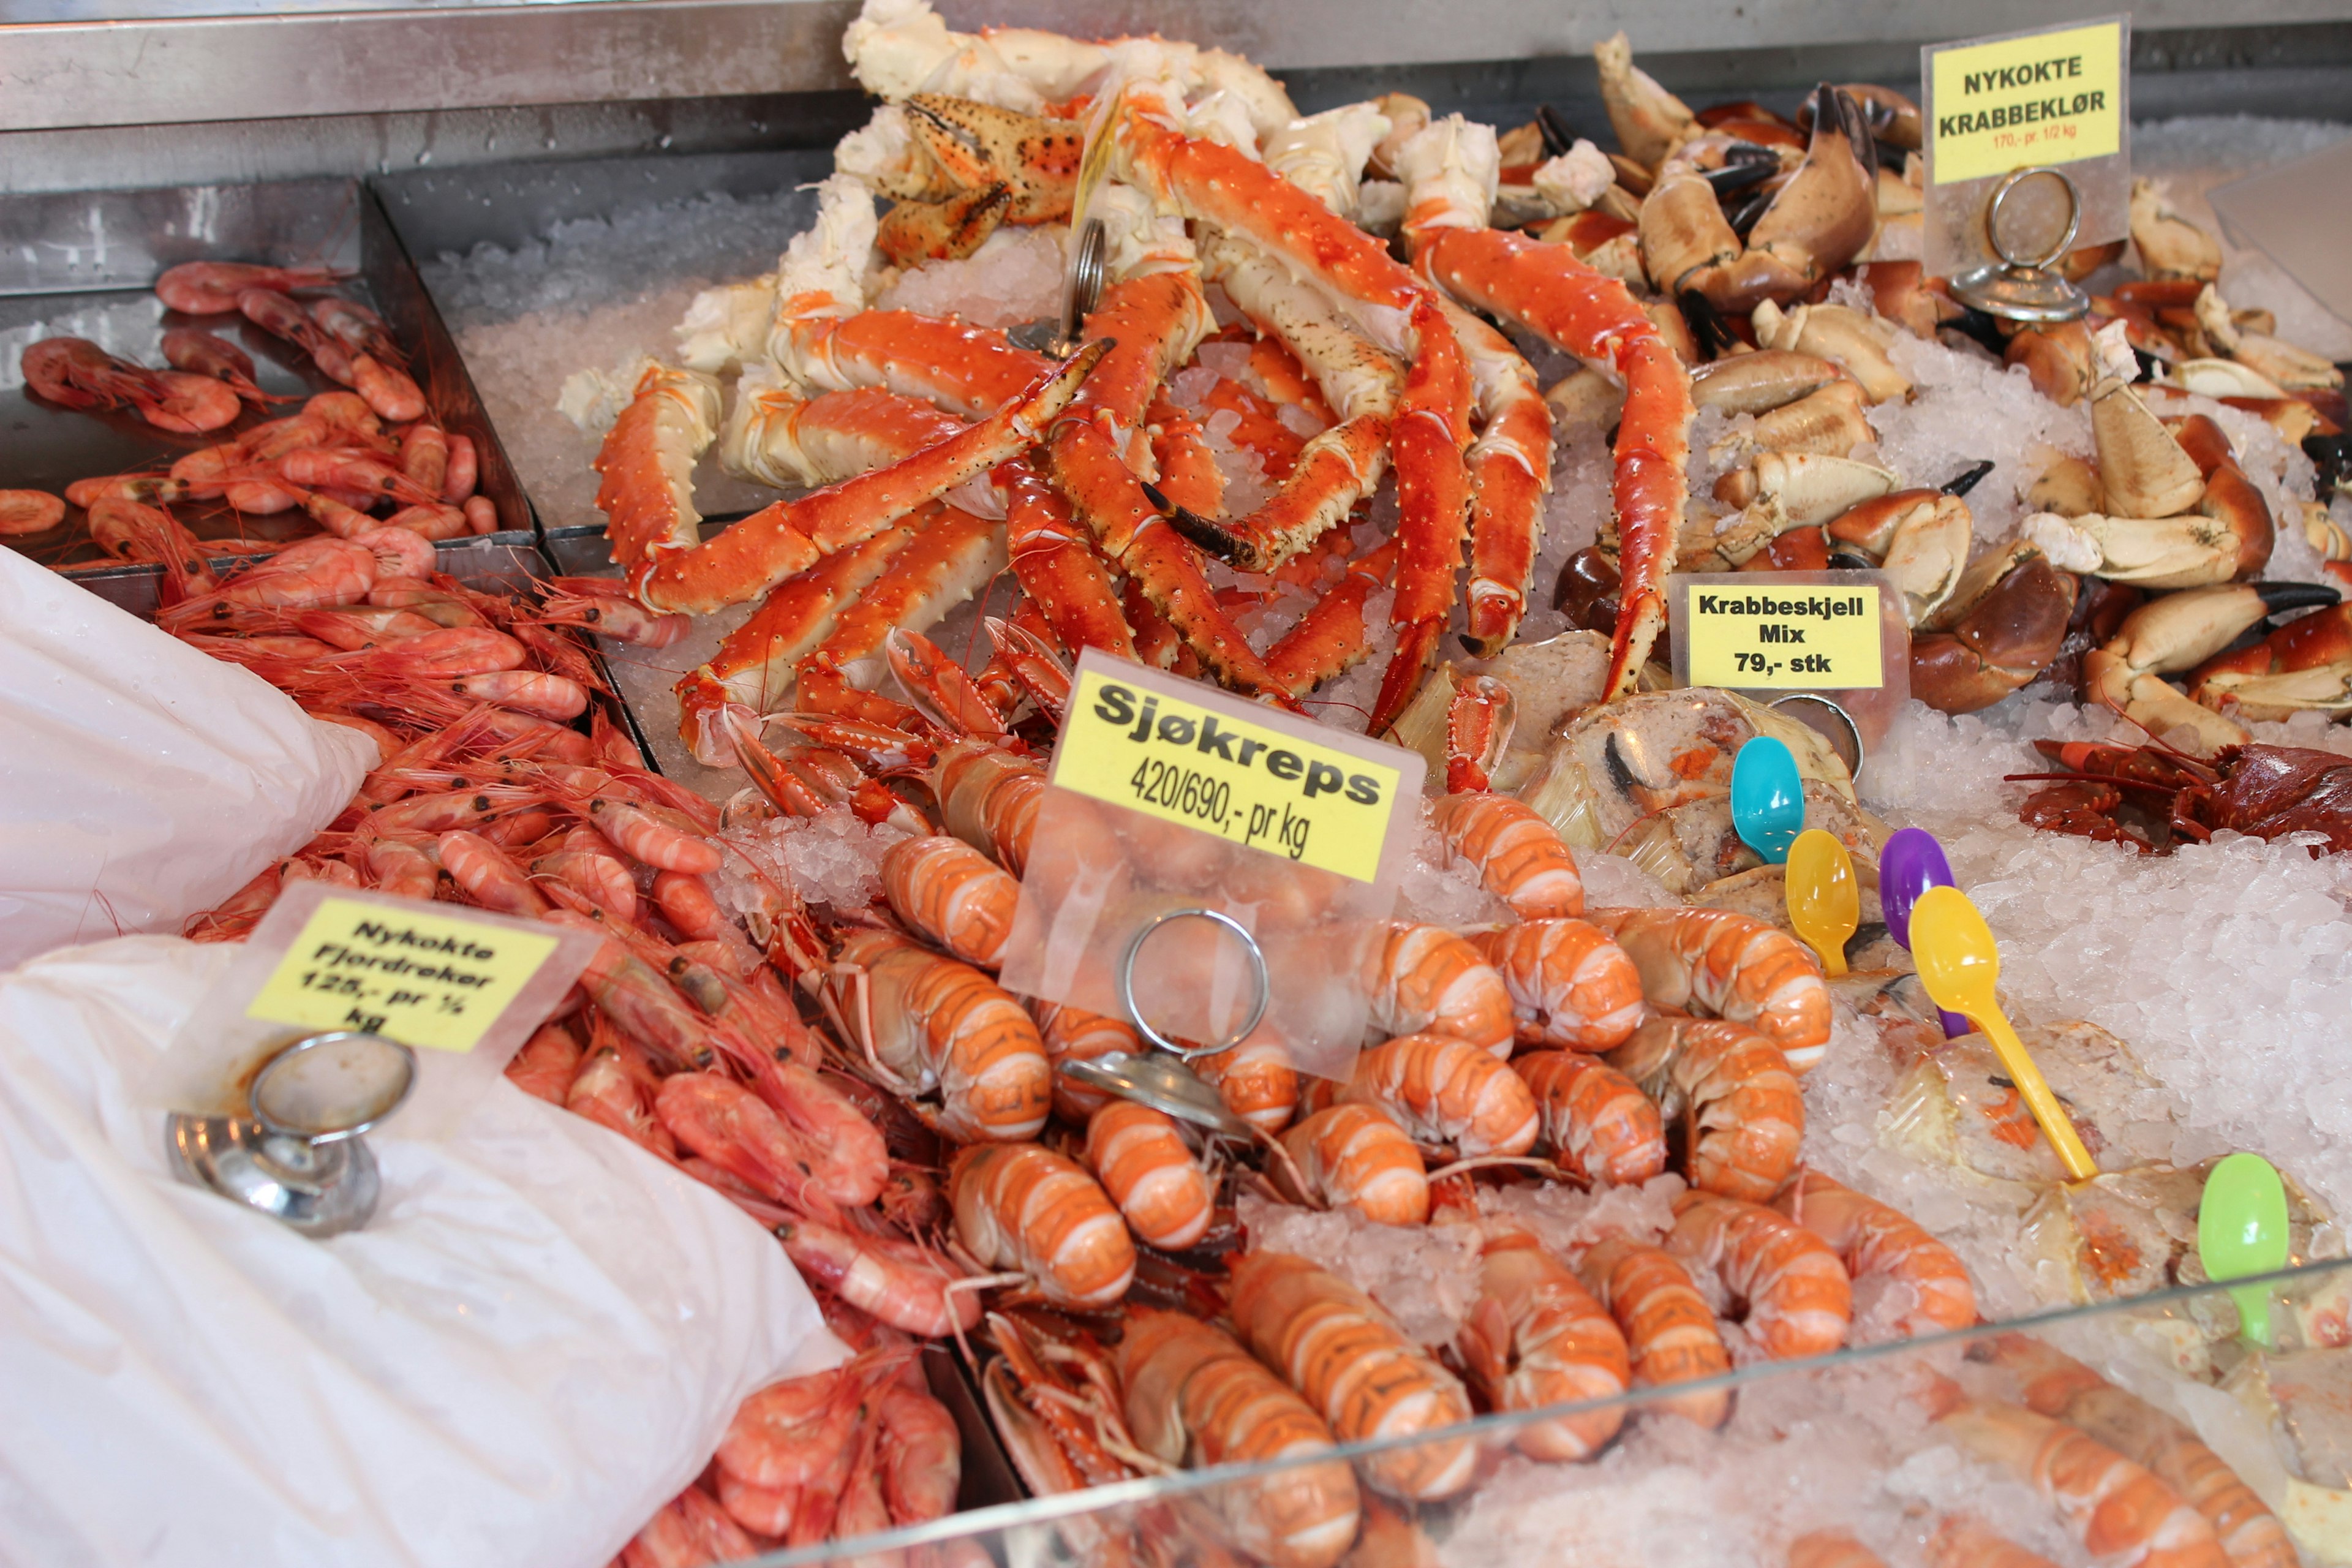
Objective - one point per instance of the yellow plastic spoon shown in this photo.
(1959, 965)
(1825, 900)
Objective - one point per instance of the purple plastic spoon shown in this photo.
(1912, 863)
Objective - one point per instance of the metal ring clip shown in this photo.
(1853, 729)
(1123, 977)
(2001, 192)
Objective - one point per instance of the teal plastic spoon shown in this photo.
(2242, 1230)
(1768, 798)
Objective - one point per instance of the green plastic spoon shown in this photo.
(1825, 900)
(2242, 1230)
(1959, 965)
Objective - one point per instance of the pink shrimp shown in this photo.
(388, 391)
(201, 353)
(732, 1128)
(646, 838)
(457, 481)
(313, 466)
(357, 328)
(920, 1453)
(29, 511)
(211, 287)
(547, 1063)
(1797, 1297)
(896, 1281)
(607, 1095)
(489, 875)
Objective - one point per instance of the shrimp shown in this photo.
(201, 353)
(1073, 1034)
(2121, 1513)
(1520, 857)
(1537, 1337)
(29, 511)
(211, 287)
(1446, 1092)
(1796, 1295)
(1832, 1549)
(1963, 1542)
(647, 839)
(1669, 1331)
(939, 1027)
(952, 895)
(1350, 1362)
(1723, 964)
(1742, 1113)
(1142, 1161)
(547, 1063)
(1356, 1156)
(896, 1281)
(388, 390)
(690, 1529)
(1193, 1396)
(920, 1455)
(786, 1434)
(1597, 1122)
(357, 328)
(586, 863)
(606, 1094)
(1570, 987)
(846, 1158)
(488, 874)
(2057, 1386)
(1024, 1208)
(727, 1124)
(989, 797)
(1876, 1241)
(1256, 1082)
(1426, 980)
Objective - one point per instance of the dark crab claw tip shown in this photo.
(2278, 597)
(1202, 532)
(1734, 178)
(1847, 561)
(1744, 221)
(1964, 482)
(1557, 137)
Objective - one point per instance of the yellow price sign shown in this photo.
(2053, 97)
(1825, 638)
(424, 978)
(1128, 741)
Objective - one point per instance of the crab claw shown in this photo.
(2003, 641)
(1649, 120)
(2183, 631)
(2144, 471)
(1920, 538)
(2304, 666)
(2170, 245)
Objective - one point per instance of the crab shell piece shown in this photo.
(2006, 634)
(1760, 382)
(2170, 245)
(1836, 332)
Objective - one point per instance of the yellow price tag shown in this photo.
(427, 978)
(1129, 744)
(1823, 638)
(2045, 97)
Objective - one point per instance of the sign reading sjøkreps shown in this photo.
(422, 977)
(2052, 97)
(1760, 638)
(1171, 749)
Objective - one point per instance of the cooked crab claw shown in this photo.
(2000, 640)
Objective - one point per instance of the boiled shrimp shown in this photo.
(1196, 1397)
(1350, 1362)
(951, 894)
(1024, 1208)
(1446, 1092)
(1142, 1161)
(1597, 1122)
(1426, 980)
(896, 1281)
(1876, 1241)
(1669, 1331)
(1256, 1082)
(943, 1027)
(1742, 1113)
(1570, 987)
(29, 511)
(1723, 964)
(1520, 857)
(1356, 1156)
(211, 287)
(1537, 1337)
(2120, 1512)
(1073, 1034)
(1797, 1298)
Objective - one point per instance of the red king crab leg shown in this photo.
(1218, 185)
(1543, 289)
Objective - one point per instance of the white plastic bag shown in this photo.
(141, 781)
(537, 1339)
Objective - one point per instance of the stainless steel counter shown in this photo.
(272, 93)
